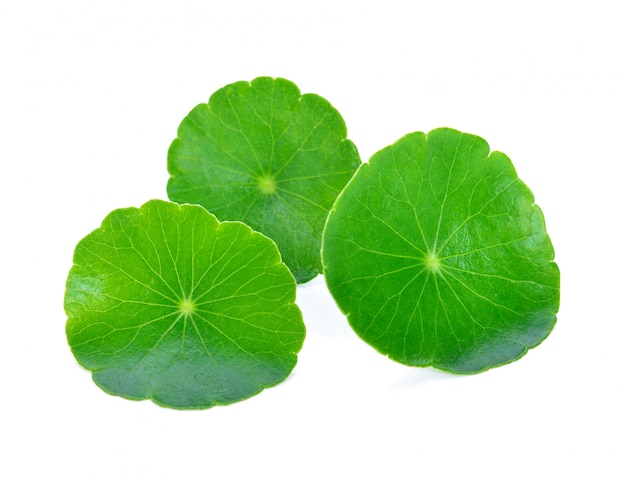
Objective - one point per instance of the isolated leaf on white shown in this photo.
(439, 257)
(166, 303)
(262, 153)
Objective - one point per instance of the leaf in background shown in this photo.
(164, 302)
(438, 256)
(266, 155)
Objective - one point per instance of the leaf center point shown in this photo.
(433, 263)
(186, 306)
(267, 184)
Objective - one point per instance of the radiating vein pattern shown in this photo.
(438, 255)
(262, 153)
(165, 302)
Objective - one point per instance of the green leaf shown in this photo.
(164, 302)
(439, 257)
(262, 153)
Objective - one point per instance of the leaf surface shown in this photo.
(262, 153)
(165, 302)
(439, 257)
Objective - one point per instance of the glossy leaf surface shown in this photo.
(439, 257)
(262, 153)
(164, 302)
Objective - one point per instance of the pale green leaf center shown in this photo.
(267, 184)
(186, 306)
(433, 263)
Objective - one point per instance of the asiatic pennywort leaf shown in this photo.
(262, 153)
(164, 302)
(439, 257)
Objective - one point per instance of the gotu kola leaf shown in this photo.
(262, 153)
(165, 302)
(439, 257)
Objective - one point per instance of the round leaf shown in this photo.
(438, 255)
(262, 153)
(164, 302)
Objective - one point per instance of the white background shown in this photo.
(91, 95)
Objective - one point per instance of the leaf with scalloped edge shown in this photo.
(262, 153)
(166, 303)
(439, 257)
